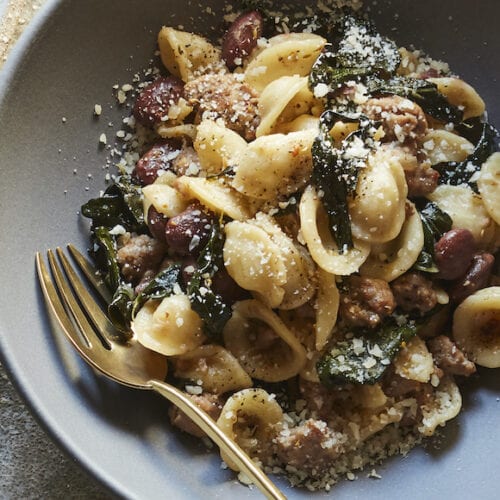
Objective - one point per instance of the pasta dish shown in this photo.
(305, 226)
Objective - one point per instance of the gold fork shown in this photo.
(126, 363)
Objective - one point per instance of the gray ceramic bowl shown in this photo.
(65, 63)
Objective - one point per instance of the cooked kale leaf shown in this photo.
(435, 223)
(364, 359)
(121, 204)
(335, 174)
(208, 304)
(456, 173)
(422, 92)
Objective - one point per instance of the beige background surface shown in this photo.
(31, 465)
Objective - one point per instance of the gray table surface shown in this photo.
(31, 465)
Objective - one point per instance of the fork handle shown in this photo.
(207, 424)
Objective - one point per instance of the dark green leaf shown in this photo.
(120, 308)
(456, 173)
(353, 361)
(209, 305)
(161, 286)
(107, 254)
(422, 92)
(435, 223)
(336, 176)
(121, 204)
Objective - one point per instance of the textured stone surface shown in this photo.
(31, 465)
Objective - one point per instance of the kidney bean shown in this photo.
(453, 253)
(227, 288)
(156, 223)
(241, 38)
(159, 157)
(188, 232)
(155, 100)
(475, 278)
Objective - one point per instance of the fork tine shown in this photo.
(100, 320)
(90, 272)
(56, 307)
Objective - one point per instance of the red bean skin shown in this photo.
(454, 252)
(155, 100)
(475, 278)
(159, 157)
(188, 232)
(241, 38)
(156, 224)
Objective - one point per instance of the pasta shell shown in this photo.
(414, 361)
(289, 96)
(316, 234)
(170, 327)
(275, 165)
(164, 198)
(218, 147)
(327, 306)
(187, 55)
(260, 341)
(444, 404)
(215, 367)
(252, 418)
(443, 146)
(460, 94)
(476, 327)
(390, 260)
(287, 55)
(467, 211)
(378, 209)
(488, 184)
(217, 196)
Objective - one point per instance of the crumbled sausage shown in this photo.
(367, 301)
(224, 96)
(310, 445)
(421, 181)
(139, 254)
(318, 398)
(402, 120)
(449, 357)
(414, 292)
(210, 403)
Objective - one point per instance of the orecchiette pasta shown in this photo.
(252, 418)
(488, 184)
(217, 196)
(164, 198)
(327, 306)
(378, 208)
(261, 342)
(282, 101)
(212, 367)
(275, 165)
(218, 147)
(414, 361)
(186, 54)
(169, 327)
(443, 146)
(476, 327)
(390, 260)
(323, 250)
(466, 210)
(286, 55)
(444, 405)
(461, 94)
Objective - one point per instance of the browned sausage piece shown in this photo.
(449, 357)
(367, 301)
(414, 292)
